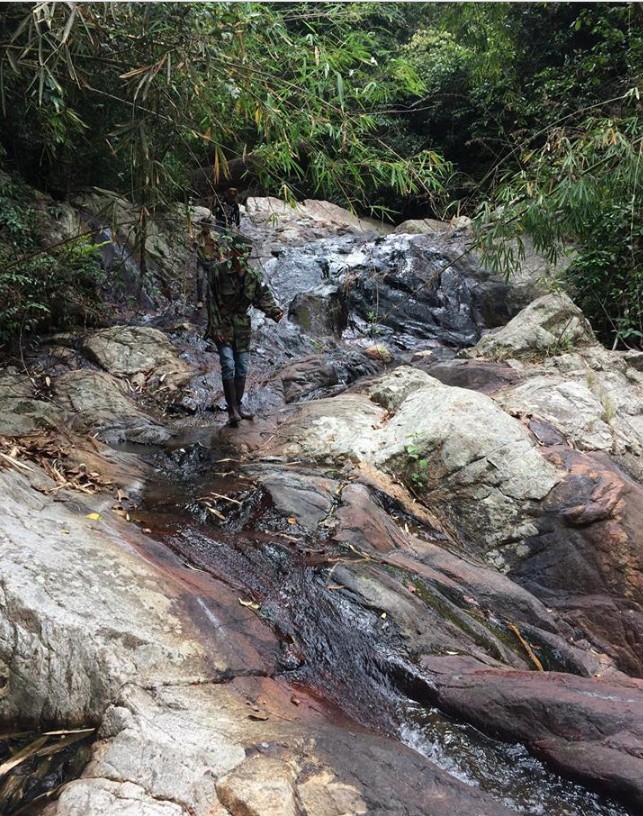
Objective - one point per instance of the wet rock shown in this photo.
(307, 498)
(478, 375)
(106, 626)
(436, 601)
(409, 286)
(540, 514)
(320, 312)
(589, 727)
(401, 288)
(318, 375)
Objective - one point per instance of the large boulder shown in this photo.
(101, 404)
(549, 325)
(454, 446)
(537, 512)
(21, 411)
(594, 397)
(591, 728)
(127, 350)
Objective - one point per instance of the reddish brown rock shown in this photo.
(591, 728)
(587, 561)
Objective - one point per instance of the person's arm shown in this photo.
(237, 214)
(265, 301)
(199, 245)
(215, 321)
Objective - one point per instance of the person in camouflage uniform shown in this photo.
(234, 286)
(226, 211)
(208, 251)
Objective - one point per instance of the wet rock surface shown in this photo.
(309, 614)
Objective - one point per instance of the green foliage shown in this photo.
(51, 290)
(162, 85)
(41, 289)
(417, 466)
(552, 101)
(582, 189)
(527, 113)
(606, 278)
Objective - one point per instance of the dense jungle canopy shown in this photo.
(525, 116)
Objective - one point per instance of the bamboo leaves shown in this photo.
(252, 77)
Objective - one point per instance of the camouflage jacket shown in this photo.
(207, 247)
(229, 298)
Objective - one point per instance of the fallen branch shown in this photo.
(513, 628)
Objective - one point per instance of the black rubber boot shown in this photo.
(234, 417)
(240, 387)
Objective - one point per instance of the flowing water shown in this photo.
(330, 643)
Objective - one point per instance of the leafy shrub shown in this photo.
(49, 290)
(606, 278)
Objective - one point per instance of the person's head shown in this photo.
(231, 194)
(240, 247)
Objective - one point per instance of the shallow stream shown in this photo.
(342, 651)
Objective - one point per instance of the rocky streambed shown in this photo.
(411, 586)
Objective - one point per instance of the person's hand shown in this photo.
(218, 338)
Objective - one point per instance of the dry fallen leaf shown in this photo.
(94, 516)
(250, 604)
(292, 520)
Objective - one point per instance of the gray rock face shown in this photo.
(81, 616)
(20, 412)
(549, 325)
(133, 350)
(456, 535)
(478, 462)
(101, 405)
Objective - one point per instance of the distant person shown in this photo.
(233, 287)
(208, 251)
(226, 211)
